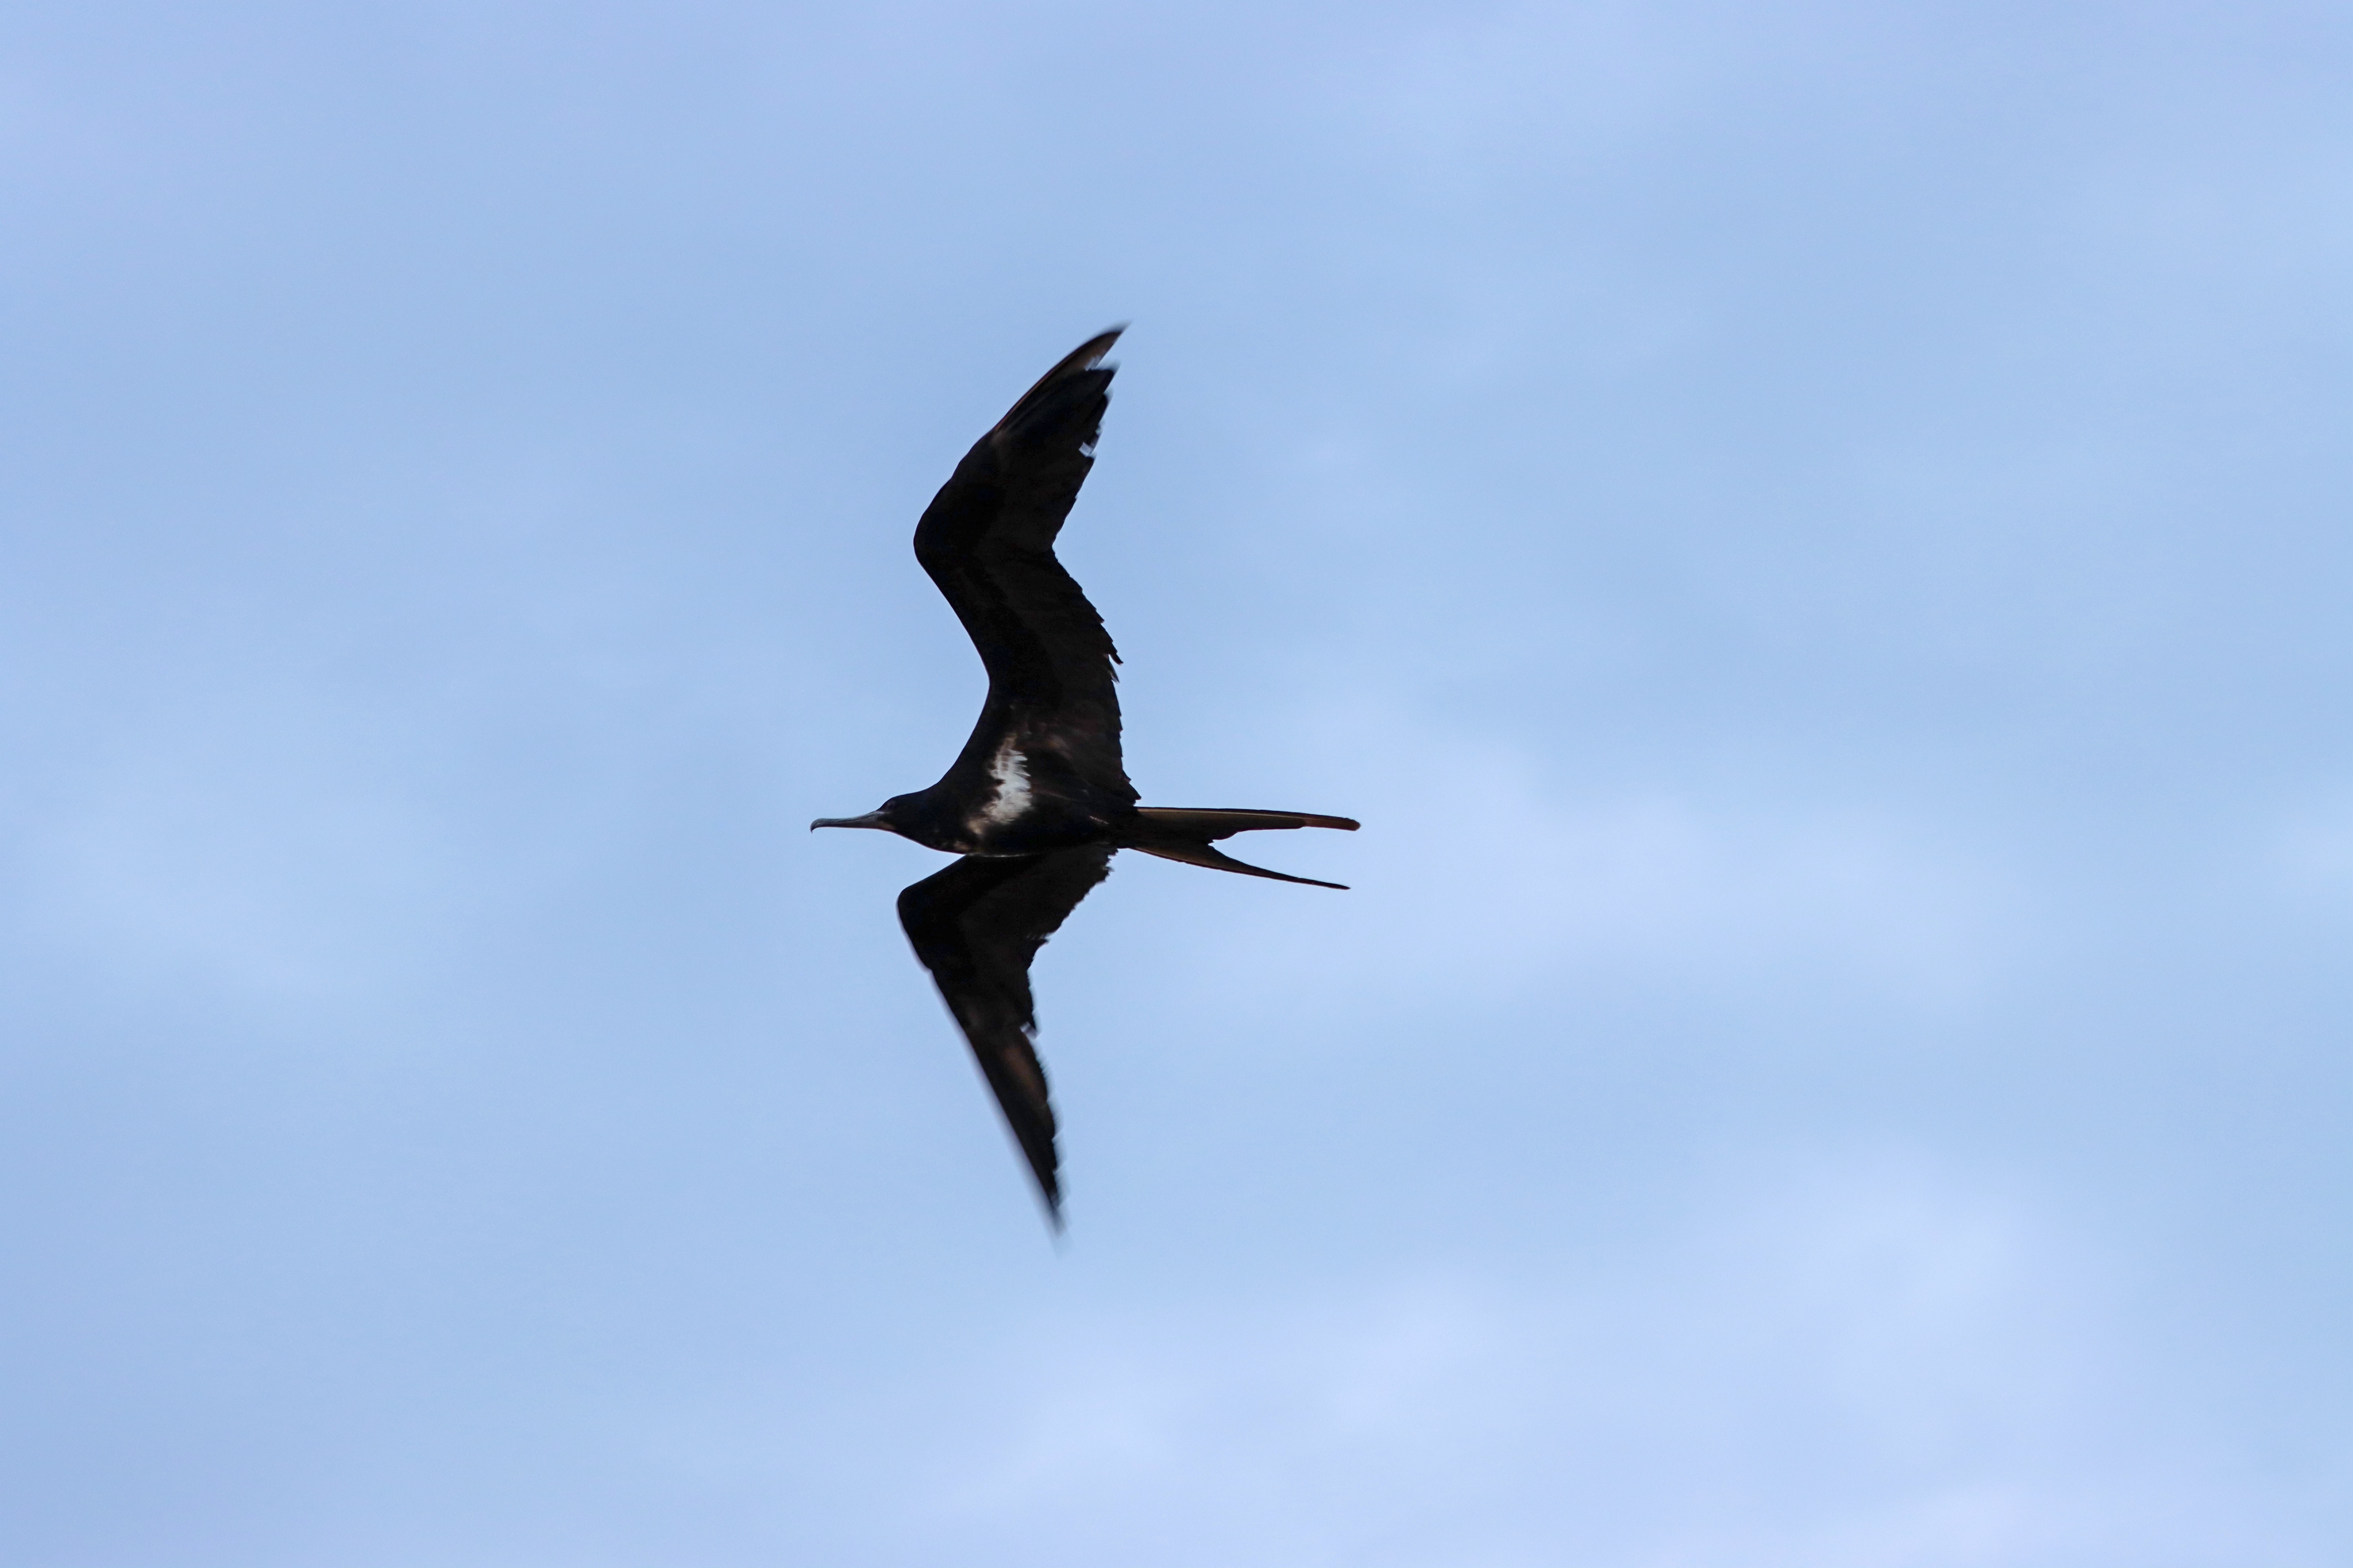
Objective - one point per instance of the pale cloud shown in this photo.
(1853, 1361)
(1811, 536)
(1472, 868)
(2312, 849)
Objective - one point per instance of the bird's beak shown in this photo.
(871, 819)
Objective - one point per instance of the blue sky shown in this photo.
(1811, 535)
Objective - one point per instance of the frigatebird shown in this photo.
(1039, 801)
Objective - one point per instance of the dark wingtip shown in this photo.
(1050, 1198)
(1045, 1172)
(1087, 356)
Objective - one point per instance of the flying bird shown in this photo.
(1039, 801)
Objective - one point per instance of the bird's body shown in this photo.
(1039, 800)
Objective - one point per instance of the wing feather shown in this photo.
(987, 541)
(976, 926)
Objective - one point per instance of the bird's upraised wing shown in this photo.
(976, 926)
(988, 539)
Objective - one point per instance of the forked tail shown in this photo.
(1184, 833)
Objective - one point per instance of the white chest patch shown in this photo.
(1010, 769)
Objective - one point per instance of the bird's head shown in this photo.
(891, 817)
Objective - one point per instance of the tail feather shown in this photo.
(1184, 832)
(1193, 854)
(1206, 823)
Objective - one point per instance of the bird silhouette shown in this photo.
(1039, 801)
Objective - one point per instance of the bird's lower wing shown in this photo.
(976, 926)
